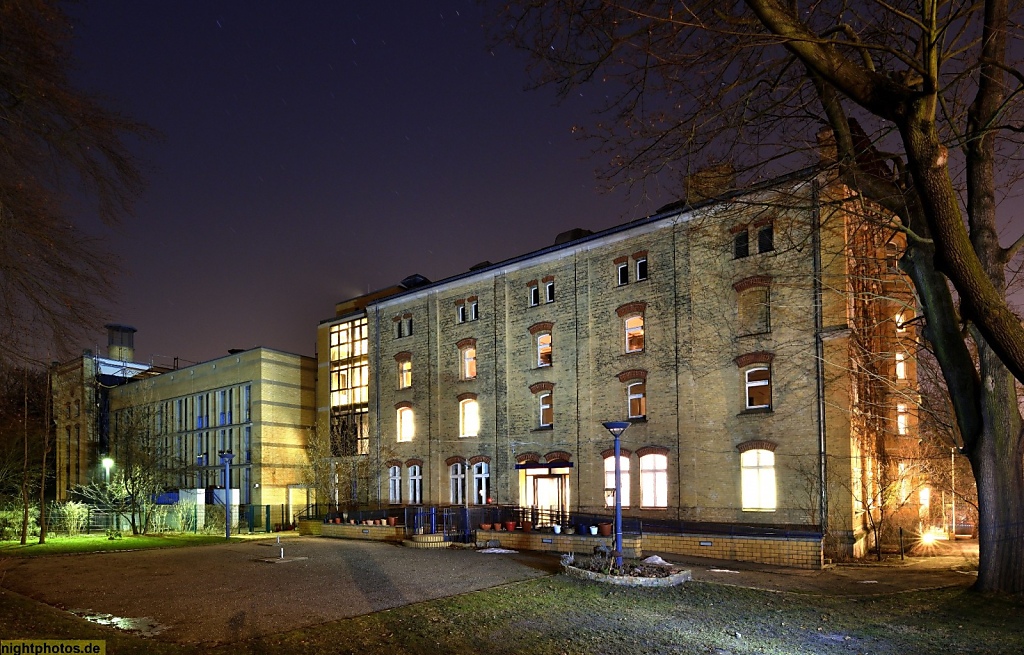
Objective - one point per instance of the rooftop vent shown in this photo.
(572, 235)
(414, 280)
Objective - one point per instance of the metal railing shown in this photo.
(458, 522)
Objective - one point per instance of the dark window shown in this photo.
(550, 292)
(623, 274)
(534, 296)
(766, 239)
(741, 245)
(460, 313)
(641, 269)
(474, 311)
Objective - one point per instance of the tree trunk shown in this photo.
(24, 469)
(46, 448)
(997, 464)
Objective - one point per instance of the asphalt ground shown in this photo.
(229, 592)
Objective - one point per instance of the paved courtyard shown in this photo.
(221, 593)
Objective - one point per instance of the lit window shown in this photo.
(901, 322)
(544, 349)
(766, 239)
(623, 273)
(547, 411)
(759, 388)
(901, 419)
(641, 269)
(549, 292)
(457, 472)
(892, 256)
(741, 245)
(460, 313)
(406, 428)
(634, 334)
(474, 311)
(757, 479)
(481, 483)
(468, 362)
(405, 374)
(901, 366)
(469, 418)
(654, 480)
(637, 396)
(609, 479)
(534, 295)
(394, 485)
(415, 484)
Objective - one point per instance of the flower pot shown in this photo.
(510, 525)
(337, 520)
(352, 521)
(604, 529)
(485, 526)
(392, 521)
(593, 530)
(570, 530)
(527, 526)
(558, 529)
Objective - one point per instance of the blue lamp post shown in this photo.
(617, 428)
(200, 463)
(225, 458)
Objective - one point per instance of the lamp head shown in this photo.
(616, 427)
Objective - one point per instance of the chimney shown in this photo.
(710, 182)
(120, 342)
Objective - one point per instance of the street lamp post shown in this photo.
(616, 428)
(107, 463)
(225, 458)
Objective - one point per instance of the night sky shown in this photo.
(314, 151)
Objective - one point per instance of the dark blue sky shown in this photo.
(313, 151)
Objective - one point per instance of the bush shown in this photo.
(185, 513)
(10, 521)
(214, 519)
(74, 515)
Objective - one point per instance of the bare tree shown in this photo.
(145, 463)
(920, 105)
(57, 143)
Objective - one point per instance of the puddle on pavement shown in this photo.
(144, 626)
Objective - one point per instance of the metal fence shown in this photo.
(458, 522)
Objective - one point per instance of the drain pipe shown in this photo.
(819, 352)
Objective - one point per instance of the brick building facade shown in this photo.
(725, 331)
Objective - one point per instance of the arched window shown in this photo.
(609, 478)
(469, 417)
(634, 326)
(544, 349)
(653, 480)
(405, 374)
(415, 484)
(395, 485)
(636, 395)
(481, 483)
(547, 409)
(759, 388)
(467, 357)
(757, 479)
(406, 426)
(457, 472)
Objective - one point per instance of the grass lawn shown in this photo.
(95, 543)
(563, 615)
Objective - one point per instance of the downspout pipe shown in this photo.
(819, 353)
